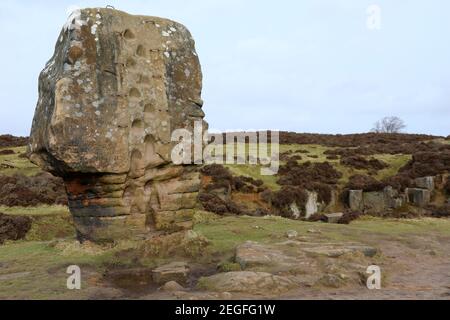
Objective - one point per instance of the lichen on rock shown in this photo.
(109, 98)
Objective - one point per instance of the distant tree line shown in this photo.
(389, 125)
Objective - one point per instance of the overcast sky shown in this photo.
(305, 66)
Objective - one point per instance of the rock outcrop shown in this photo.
(375, 201)
(247, 281)
(115, 89)
(418, 197)
(425, 183)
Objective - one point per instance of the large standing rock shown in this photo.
(109, 98)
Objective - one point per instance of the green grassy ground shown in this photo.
(48, 222)
(20, 165)
(228, 232)
(36, 269)
(316, 153)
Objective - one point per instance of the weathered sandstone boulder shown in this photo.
(115, 89)
(247, 281)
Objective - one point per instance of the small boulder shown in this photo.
(175, 271)
(334, 217)
(172, 286)
(248, 282)
(225, 296)
(291, 234)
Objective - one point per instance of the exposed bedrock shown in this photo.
(109, 99)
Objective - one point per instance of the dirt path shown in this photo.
(419, 269)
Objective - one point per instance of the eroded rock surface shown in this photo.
(175, 271)
(247, 281)
(109, 98)
(271, 269)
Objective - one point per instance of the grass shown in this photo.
(37, 269)
(48, 222)
(46, 268)
(41, 210)
(395, 162)
(254, 171)
(228, 232)
(442, 141)
(21, 165)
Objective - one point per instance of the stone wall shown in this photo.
(388, 199)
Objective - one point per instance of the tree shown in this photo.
(389, 125)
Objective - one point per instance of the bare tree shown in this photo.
(389, 125)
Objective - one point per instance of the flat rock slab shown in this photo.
(292, 255)
(247, 281)
(275, 258)
(337, 251)
(175, 271)
(334, 217)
